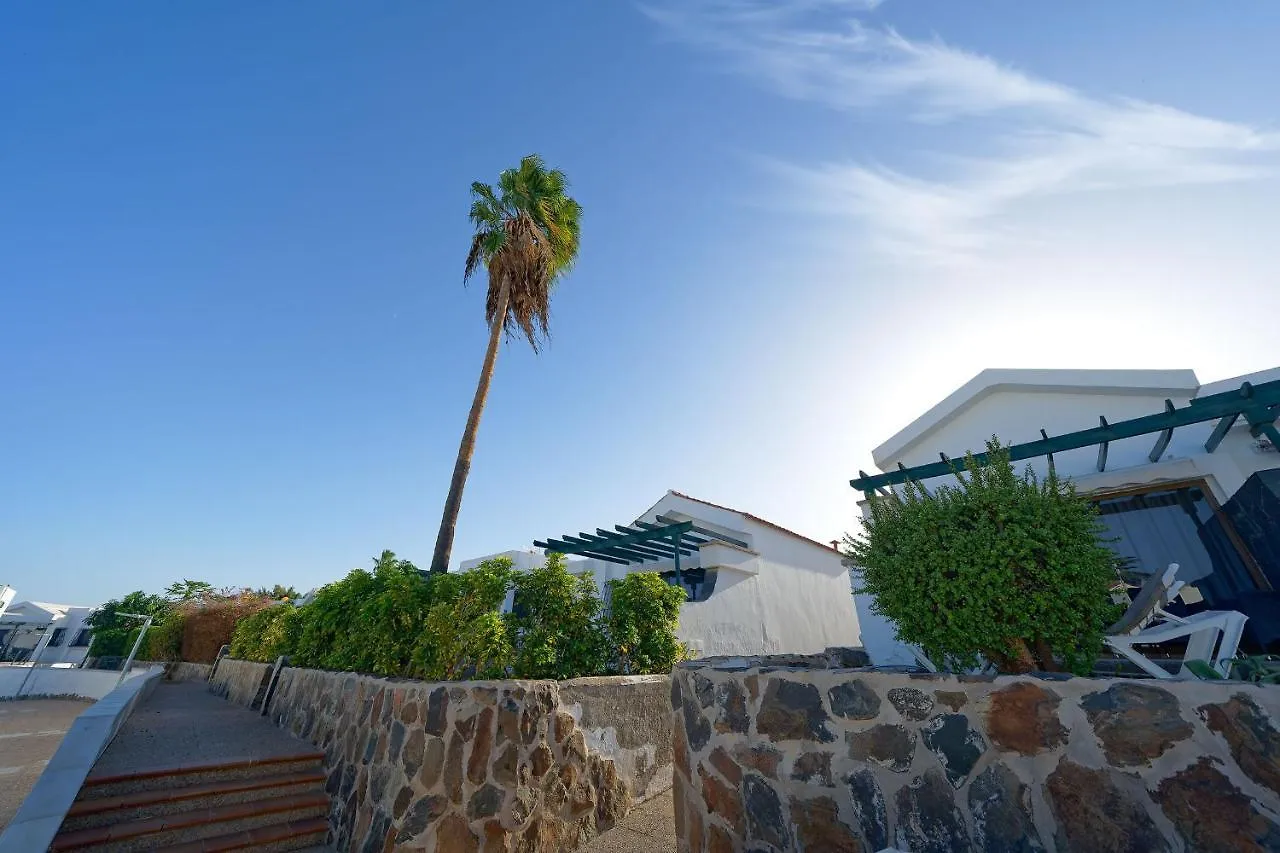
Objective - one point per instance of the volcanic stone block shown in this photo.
(1252, 739)
(792, 710)
(854, 700)
(1213, 814)
(912, 704)
(957, 744)
(869, 809)
(765, 819)
(928, 820)
(1135, 723)
(733, 716)
(1001, 807)
(819, 828)
(1093, 813)
(1023, 718)
(890, 745)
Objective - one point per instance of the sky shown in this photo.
(235, 344)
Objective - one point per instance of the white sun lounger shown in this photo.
(1214, 635)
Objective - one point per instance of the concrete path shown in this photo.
(183, 723)
(650, 828)
(30, 731)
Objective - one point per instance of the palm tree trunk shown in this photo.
(461, 468)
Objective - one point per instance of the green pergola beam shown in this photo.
(561, 547)
(702, 531)
(692, 542)
(630, 552)
(1259, 403)
(604, 545)
(660, 547)
(1220, 431)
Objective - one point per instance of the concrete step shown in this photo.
(305, 835)
(102, 811)
(242, 826)
(170, 778)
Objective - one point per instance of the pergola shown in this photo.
(643, 542)
(1259, 405)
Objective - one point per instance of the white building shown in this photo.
(1206, 495)
(44, 632)
(775, 591)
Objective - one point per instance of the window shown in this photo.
(1180, 523)
(82, 638)
(58, 634)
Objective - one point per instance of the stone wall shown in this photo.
(182, 670)
(238, 680)
(472, 766)
(795, 754)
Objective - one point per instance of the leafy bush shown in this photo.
(1011, 568)
(114, 635)
(556, 623)
(644, 613)
(164, 640)
(366, 622)
(394, 621)
(464, 635)
(267, 634)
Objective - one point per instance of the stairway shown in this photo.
(266, 804)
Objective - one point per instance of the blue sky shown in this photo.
(234, 342)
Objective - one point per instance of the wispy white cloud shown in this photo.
(1044, 138)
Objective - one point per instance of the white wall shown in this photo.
(87, 683)
(794, 597)
(73, 622)
(31, 627)
(784, 594)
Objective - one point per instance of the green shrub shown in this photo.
(556, 623)
(394, 621)
(113, 635)
(267, 634)
(164, 640)
(366, 622)
(464, 635)
(1011, 568)
(644, 613)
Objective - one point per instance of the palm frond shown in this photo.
(527, 235)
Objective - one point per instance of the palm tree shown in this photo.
(526, 236)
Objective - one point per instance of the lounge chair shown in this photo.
(1213, 635)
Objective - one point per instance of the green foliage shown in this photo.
(395, 621)
(189, 590)
(1257, 669)
(644, 612)
(164, 640)
(555, 623)
(527, 233)
(267, 634)
(278, 592)
(113, 635)
(366, 622)
(1012, 568)
(464, 635)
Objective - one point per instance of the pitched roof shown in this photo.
(1157, 383)
(754, 518)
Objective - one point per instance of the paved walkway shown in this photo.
(183, 723)
(30, 731)
(650, 828)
